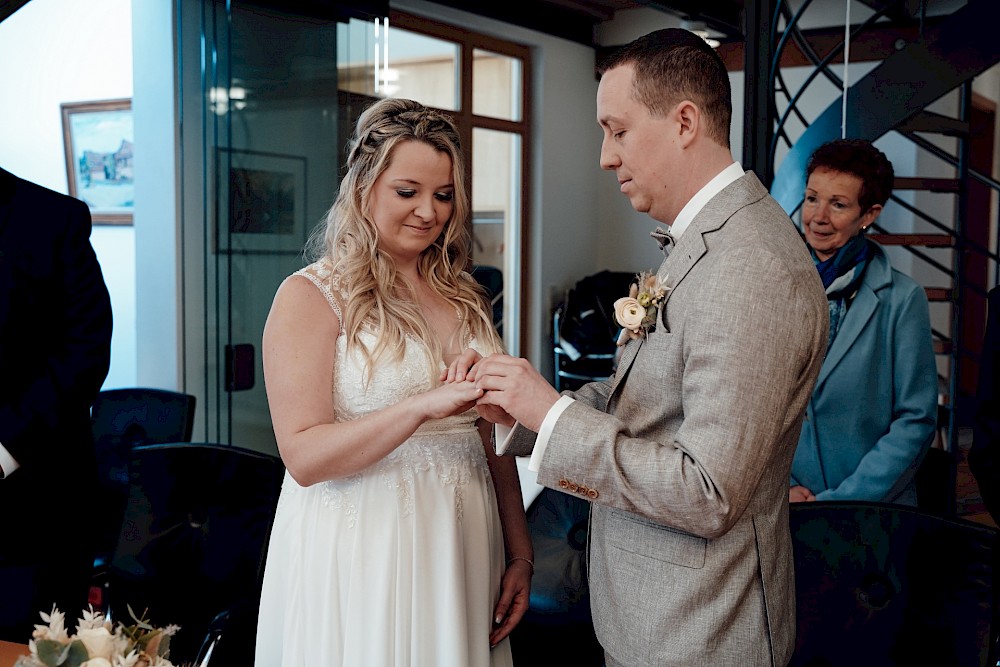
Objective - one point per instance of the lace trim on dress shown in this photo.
(450, 449)
(320, 273)
(449, 461)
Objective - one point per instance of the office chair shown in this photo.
(879, 584)
(122, 419)
(192, 544)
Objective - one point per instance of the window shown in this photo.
(480, 81)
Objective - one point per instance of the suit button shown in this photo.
(563, 484)
(592, 494)
(573, 487)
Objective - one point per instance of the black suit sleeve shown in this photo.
(984, 458)
(61, 317)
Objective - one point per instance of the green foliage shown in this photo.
(55, 654)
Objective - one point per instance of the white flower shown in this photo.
(636, 313)
(96, 662)
(105, 645)
(92, 619)
(56, 628)
(99, 642)
(629, 313)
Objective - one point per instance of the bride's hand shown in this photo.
(449, 399)
(515, 590)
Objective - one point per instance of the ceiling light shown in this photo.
(699, 28)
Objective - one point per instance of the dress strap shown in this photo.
(320, 274)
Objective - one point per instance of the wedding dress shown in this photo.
(398, 565)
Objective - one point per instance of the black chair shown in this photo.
(192, 544)
(557, 627)
(491, 278)
(122, 419)
(584, 331)
(879, 584)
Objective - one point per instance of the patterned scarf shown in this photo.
(841, 276)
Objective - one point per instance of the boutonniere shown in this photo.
(636, 313)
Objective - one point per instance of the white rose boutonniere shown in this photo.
(636, 313)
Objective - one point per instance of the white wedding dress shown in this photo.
(398, 565)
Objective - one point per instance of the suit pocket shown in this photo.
(643, 537)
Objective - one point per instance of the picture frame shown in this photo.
(260, 202)
(98, 139)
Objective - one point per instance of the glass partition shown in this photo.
(268, 102)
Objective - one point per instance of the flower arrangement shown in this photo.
(96, 644)
(636, 313)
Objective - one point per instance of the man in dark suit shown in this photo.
(55, 348)
(984, 458)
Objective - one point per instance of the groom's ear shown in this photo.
(687, 115)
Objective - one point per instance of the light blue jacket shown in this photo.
(872, 414)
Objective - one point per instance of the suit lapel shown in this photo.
(690, 249)
(625, 365)
(8, 184)
(860, 313)
(862, 310)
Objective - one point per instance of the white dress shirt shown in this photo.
(8, 463)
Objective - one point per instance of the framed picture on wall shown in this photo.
(261, 202)
(98, 139)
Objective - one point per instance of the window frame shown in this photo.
(467, 121)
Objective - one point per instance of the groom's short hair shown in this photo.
(673, 65)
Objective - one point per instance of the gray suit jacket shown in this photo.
(686, 451)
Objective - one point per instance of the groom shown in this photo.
(685, 453)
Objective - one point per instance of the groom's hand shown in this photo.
(513, 385)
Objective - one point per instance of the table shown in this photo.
(9, 652)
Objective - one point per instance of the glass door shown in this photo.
(268, 102)
(268, 152)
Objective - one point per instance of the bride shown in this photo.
(399, 538)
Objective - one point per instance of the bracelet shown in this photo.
(530, 562)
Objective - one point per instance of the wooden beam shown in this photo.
(876, 44)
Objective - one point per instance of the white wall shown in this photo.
(157, 235)
(68, 51)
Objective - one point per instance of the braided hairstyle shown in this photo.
(377, 298)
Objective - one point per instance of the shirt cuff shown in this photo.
(8, 463)
(545, 431)
(501, 436)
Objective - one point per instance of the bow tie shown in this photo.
(664, 239)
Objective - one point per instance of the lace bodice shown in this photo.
(450, 447)
(389, 382)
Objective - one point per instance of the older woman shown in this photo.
(872, 414)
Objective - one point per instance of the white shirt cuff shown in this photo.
(545, 431)
(8, 463)
(501, 436)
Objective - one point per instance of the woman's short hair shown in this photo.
(858, 158)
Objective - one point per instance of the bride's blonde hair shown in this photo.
(377, 297)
